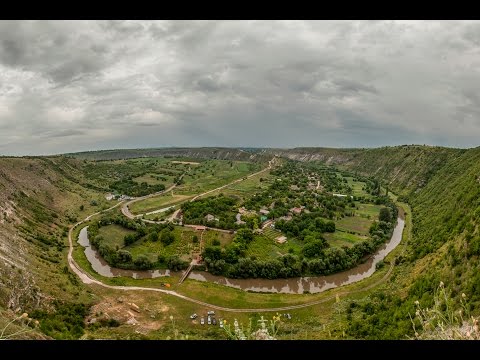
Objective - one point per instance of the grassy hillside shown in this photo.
(443, 187)
(405, 169)
(39, 198)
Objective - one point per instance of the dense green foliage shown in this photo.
(317, 257)
(131, 188)
(122, 258)
(220, 207)
(65, 322)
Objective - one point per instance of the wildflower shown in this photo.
(171, 317)
(24, 315)
(464, 296)
(417, 302)
(441, 284)
(417, 312)
(36, 322)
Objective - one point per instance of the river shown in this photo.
(298, 285)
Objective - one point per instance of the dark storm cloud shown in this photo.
(87, 85)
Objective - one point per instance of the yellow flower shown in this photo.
(225, 321)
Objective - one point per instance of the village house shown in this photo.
(210, 217)
(296, 210)
(341, 195)
(281, 239)
(239, 219)
(264, 211)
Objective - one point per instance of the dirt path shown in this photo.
(270, 163)
(126, 210)
(87, 279)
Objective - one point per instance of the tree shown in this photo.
(142, 262)
(166, 237)
(385, 215)
(153, 236)
(82, 207)
(244, 234)
(124, 256)
(195, 239)
(314, 248)
(129, 239)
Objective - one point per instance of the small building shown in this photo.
(239, 219)
(242, 210)
(264, 211)
(210, 217)
(281, 239)
(200, 227)
(341, 195)
(263, 218)
(267, 223)
(296, 210)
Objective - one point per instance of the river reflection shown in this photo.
(311, 284)
(101, 266)
(287, 286)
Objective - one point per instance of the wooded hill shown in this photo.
(442, 185)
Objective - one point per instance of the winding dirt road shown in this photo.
(87, 279)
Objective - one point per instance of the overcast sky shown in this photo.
(85, 85)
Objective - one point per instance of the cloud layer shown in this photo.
(86, 85)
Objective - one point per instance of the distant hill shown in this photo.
(406, 169)
(195, 153)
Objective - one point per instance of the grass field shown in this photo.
(340, 238)
(210, 235)
(368, 210)
(357, 224)
(264, 248)
(157, 202)
(214, 173)
(246, 188)
(113, 235)
(151, 179)
(182, 246)
(357, 187)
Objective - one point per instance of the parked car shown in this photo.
(211, 312)
(209, 320)
(214, 322)
(193, 316)
(202, 321)
(221, 323)
(289, 316)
